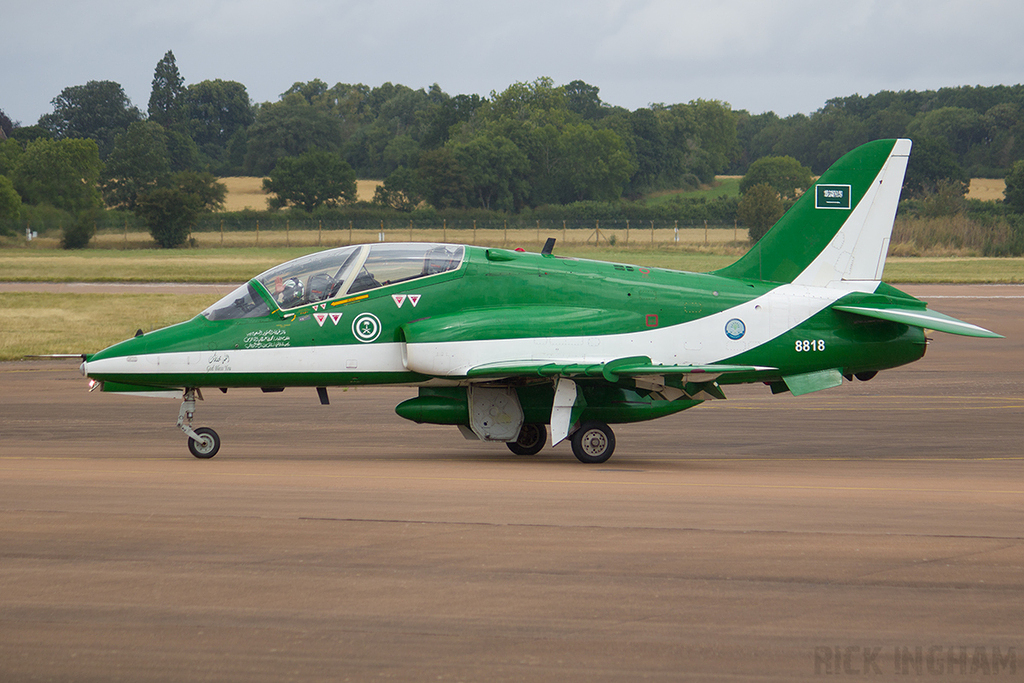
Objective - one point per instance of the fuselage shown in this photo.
(319, 324)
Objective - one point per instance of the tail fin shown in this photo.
(839, 230)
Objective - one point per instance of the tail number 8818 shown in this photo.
(805, 345)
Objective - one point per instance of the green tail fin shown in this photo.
(839, 229)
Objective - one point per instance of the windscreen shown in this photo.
(244, 302)
(338, 272)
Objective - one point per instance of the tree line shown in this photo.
(533, 145)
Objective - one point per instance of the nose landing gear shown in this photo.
(203, 442)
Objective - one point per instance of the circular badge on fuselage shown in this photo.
(366, 327)
(734, 329)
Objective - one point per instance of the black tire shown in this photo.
(532, 437)
(593, 443)
(209, 445)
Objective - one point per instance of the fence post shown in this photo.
(221, 231)
(652, 232)
(319, 232)
(505, 243)
(257, 232)
(350, 232)
(126, 231)
(444, 228)
(380, 237)
(538, 231)
(474, 231)
(705, 232)
(287, 233)
(677, 231)
(563, 233)
(410, 230)
(627, 233)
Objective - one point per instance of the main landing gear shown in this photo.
(532, 438)
(203, 442)
(593, 443)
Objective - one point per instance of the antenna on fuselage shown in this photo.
(549, 247)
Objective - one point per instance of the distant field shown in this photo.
(246, 193)
(987, 189)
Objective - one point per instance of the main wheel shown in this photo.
(207, 445)
(593, 443)
(532, 438)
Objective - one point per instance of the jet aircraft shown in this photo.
(503, 344)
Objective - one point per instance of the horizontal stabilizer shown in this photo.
(919, 317)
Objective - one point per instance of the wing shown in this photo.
(612, 371)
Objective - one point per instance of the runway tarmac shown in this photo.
(875, 530)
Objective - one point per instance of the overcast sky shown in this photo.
(786, 56)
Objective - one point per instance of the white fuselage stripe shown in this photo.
(698, 342)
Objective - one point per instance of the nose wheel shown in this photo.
(206, 445)
(202, 442)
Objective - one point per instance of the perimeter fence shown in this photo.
(241, 230)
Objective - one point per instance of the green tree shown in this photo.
(444, 114)
(759, 208)
(77, 234)
(595, 164)
(98, 110)
(283, 130)
(62, 173)
(400, 190)
(170, 209)
(931, 162)
(26, 134)
(495, 172)
(311, 180)
(442, 179)
(1014, 192)
(10, 204)
(785, 174)
(6, 126)
(212, 112)
(168, 88)
(139, 160)
(10, 153)
(960, 127)
(582, 98)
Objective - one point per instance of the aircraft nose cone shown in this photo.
(82, 368)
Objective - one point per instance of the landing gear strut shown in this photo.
(203, 442)
(593, 443)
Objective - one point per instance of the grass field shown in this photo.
(724, 186)
(42, 323)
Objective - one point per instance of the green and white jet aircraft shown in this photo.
(503, 343)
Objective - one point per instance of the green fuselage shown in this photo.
(501, 306)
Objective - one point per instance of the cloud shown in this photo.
(788, 56)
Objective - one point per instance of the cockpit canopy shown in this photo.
(335, 273)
